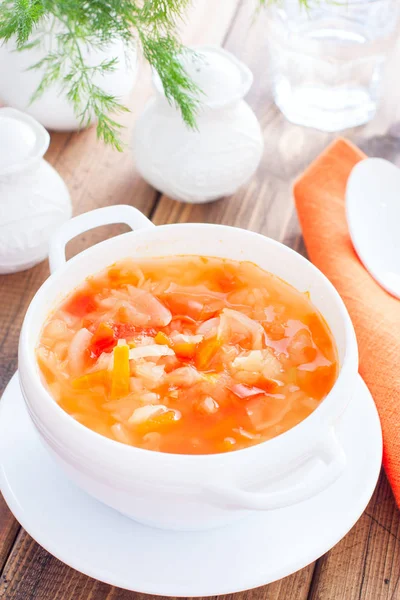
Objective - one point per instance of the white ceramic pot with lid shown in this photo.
(34, 200)
(224, 150)
(188, 491)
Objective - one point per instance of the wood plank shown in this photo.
(96, 176)
(198, 28)
(8, 531)
(33, 573)
(365, 565)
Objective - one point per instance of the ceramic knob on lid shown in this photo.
(33, 198)
(222, 153)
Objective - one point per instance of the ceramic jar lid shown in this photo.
(220, 76)
(23, 141)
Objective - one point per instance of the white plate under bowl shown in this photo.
(103, 544)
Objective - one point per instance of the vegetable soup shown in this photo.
(187, 354)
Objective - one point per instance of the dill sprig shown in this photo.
(94, 24)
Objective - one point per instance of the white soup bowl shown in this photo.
(188, 491)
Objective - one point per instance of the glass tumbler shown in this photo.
(327, 58)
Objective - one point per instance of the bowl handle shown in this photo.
(120, 213)
(329, 451)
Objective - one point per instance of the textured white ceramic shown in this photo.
(179, 491)
(373, 217)
(222, 153)
(18, 82)
(34, 200)
(101, 543)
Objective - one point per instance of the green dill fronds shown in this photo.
(164, 55)
(94, 24)
(19, 19)
(106, 128)
(166, 12)
(52, 67)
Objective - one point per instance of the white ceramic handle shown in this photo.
(329, 451)
(121, 213)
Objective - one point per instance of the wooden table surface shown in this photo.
(365, 565)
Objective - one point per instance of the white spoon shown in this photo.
(373, 217)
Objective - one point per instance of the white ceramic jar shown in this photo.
(18, 81)
(34, 200)
(188, 491)
(222, 153)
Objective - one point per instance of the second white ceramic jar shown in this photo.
(225, 149)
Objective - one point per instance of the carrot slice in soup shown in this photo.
(206, 351)
(120, 373)
(158, 422)
(181, 349)
(185, 349)
(91, 379)
(162, 339)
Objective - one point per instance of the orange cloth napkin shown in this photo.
(320, 200)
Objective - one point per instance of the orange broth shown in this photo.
(187, 354)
